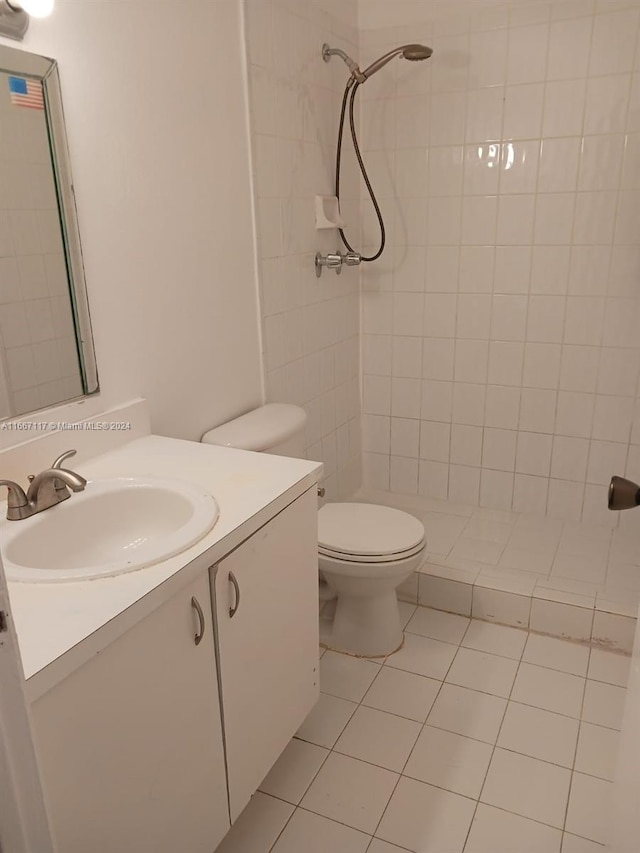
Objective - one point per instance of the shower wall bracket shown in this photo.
(335, 261)
(328, 212)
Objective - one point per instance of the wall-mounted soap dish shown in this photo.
(328, 212)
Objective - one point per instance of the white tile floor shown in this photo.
(592, 565)
(474, 737)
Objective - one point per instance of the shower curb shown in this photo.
(463, 591)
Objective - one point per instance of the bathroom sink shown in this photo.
(113, 526)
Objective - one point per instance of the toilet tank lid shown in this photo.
(260, 429)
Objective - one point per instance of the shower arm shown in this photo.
(352, 65)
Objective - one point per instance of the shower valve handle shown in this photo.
(332, 261)
(351, 259)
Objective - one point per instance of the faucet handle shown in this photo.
(63, 457)
(16, 500)
(16, 496)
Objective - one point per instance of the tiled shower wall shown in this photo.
(502, 328)
(310, 326)
(38, 356)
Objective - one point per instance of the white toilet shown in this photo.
(365, 551)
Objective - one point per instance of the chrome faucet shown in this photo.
(48, 488)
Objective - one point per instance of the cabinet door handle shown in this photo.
(233, 610)
(200, 633)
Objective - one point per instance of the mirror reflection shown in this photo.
(46, 352)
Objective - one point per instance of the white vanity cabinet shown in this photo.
(266, 604)
(130, 744)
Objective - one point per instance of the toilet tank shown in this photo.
(277, 428)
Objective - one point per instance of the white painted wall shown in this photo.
(155, 105)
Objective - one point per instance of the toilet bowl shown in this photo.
(365, 551)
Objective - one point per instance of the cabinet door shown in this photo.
(130, 745)
(268, 648)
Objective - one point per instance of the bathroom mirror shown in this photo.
(46, 346)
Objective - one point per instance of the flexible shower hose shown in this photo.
(353, 86)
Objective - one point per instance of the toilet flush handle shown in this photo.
(321, 491)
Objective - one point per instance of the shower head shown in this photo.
(412, 52)
(416, 52)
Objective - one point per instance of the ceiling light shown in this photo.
(35, 8)
(14, 15)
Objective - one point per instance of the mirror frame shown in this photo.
(45, 70)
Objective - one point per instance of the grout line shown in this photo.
(493, 752)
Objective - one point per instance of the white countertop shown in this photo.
(51, 619)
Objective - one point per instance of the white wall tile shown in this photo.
(484, 115)
(550, 267)
(523, 111)
(481, 168)
(466, 445)
(519, 166)
(479, 214)
(538, 410)
(533, 454)
(564, 108)
(488, 58)
(554, 218)
(438, 358)
(445, 170)
(527, 54)
(559, 160)
(541, 365)
(502, 407)
(569, 48)
(530, 494)
(473, 316)
(514, 240)
(468, 404)
(442, 269)
(505, 362)
(515, 220)
(579, 368)
(405, 397)
(614, 42)
(433, 480)
(496, 489)
(569, 461)
(499, 449)
(435, 441)
(606, 104)
(513, 269)
(471, 361)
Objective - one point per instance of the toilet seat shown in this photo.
(368, 533)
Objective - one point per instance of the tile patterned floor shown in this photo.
(590, 565)
(474, 738)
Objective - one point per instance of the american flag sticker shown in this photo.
(26, 93)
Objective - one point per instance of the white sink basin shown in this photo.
(113, 526)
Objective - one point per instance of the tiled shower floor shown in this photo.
(529, 552)
(579, 581)
(474, 737)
